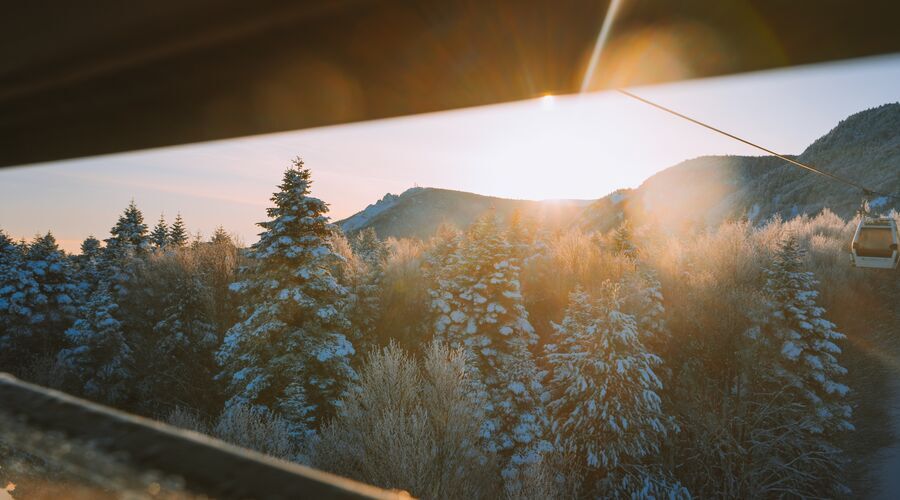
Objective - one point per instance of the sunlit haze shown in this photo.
(556, 147)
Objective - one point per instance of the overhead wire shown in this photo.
(866, 191)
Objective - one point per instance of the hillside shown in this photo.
(864, 147)
(695, 193)
(418, 212)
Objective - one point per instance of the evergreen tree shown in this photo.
(369, 248)
(89, 266)
(797, 358)
(221, 237)
(90, 248)
(481, 310)
(622, 241)
(367, 285)
(181, 348)
(197, 240)
(645, 302)
(98, 356)
(440, 270)
(605, 404)
(129, 235)
(159, 237)
(290, 352)
(523, 236)
(53, 308)
(18, 290)
(178, 235)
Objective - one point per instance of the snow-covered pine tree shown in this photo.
(90, 248)
(369, 248)
(129, 235)
(290, 352)
(440, 270)
(644, 301)
(18, 290)
(159, 237)
(797, 355)
(53, 308)
(488, 319)
(89, 266)
(367, 308)
(37, 300)
(178, 235)
(605, 407)
(182, 346)
(622, 241)
(98, 356)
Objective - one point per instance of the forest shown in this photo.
(749, 359)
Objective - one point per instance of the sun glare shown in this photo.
(548, 101)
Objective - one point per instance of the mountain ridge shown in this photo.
(697, 192)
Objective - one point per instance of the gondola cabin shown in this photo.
(875, 243)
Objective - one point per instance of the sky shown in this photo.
(562, 147)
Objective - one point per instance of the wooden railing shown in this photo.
(206, 466)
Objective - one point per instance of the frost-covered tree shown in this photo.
(605, 405)
(98, 356)
(480, 309)
(129, 234)
(425, 416)
(159, 237)
(290, 352)
(797, 361)
(178, 234)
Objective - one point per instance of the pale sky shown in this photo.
(569, 147)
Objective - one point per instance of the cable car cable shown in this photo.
(866, 191)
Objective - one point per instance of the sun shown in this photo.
(547, 101)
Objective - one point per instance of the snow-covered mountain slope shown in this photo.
(418, 212)
(362, 218)
(865, 147)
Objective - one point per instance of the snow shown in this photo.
(341, 347)
(517, 387)
(363, 217)
(791, 350)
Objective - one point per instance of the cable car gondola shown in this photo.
(875, 243)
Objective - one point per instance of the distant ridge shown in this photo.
(705, 191)
(695, 193)
(418, 212)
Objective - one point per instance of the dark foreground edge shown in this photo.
(208, 466)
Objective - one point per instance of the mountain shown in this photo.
(864, 147)
(418, 212)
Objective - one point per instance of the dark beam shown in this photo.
(208, 466)
(88, 78)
